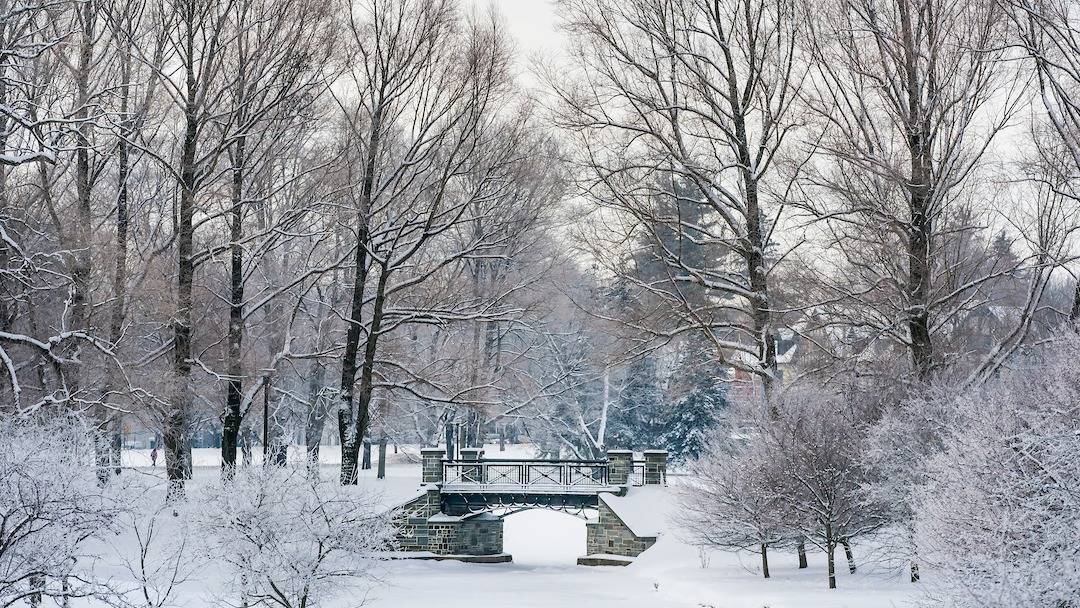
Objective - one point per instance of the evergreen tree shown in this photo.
(691, 420)
(638, 417)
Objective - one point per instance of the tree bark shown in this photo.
(175, 429)
(359, 423)
(849, 555)
(753, 248)
(119, 306)
(230, 428)
(830, 550)
(382, 458)
(80, 275)
(316, 418)
(801, 548)
(765, 560)
(6, 312)
(1074, 313)
(348, 420)
(920, 197)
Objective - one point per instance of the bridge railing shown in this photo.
(526, 475)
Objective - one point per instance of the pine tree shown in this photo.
(638, 419)
(692, 419)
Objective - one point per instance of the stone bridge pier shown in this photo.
(459, 514)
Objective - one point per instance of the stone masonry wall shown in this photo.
(479, 535)
(441, 538)
(420, 526)
(608, 534)
(411, 522)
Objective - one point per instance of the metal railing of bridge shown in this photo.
(503, 475)
(586, 476)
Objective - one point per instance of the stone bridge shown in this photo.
(460, 513)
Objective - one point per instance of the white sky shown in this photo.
(533, 25)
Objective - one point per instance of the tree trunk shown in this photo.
(80, 294)
(920, 233)
(765, 560)
(365, 463)
(830, 549)
(753, 251)
(449, 432)
(363, 409)
(849, 555)
(230, 427)
(801, 548)
(474, 434)
(915, 554)
(382, 458)
(316, 418)
(36, 582)
(348, 420)
(6, 313)
(1074, 313)
(245, 447)
(175, 431)
(119, 305)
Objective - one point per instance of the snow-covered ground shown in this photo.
(545, 545)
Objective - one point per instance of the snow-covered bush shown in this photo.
(780, 478)
(999, 518)
(730, 499)
(820, 443)
(292, 540)
(899, 447)
(50, 506)
(161, 554)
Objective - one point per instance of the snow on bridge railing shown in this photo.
(493, 475)
(518, 475)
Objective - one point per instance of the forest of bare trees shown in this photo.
(359, 222)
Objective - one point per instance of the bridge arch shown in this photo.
(544, 537)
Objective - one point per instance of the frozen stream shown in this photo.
(545, 546)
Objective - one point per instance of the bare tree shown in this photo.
(278, 54)
(1047, 32)
(910, 96)
(422, 100)
(700, 93)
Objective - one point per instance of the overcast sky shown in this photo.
(532, 23)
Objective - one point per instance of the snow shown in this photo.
(545, 545)
(540, 537)
(643, 509)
